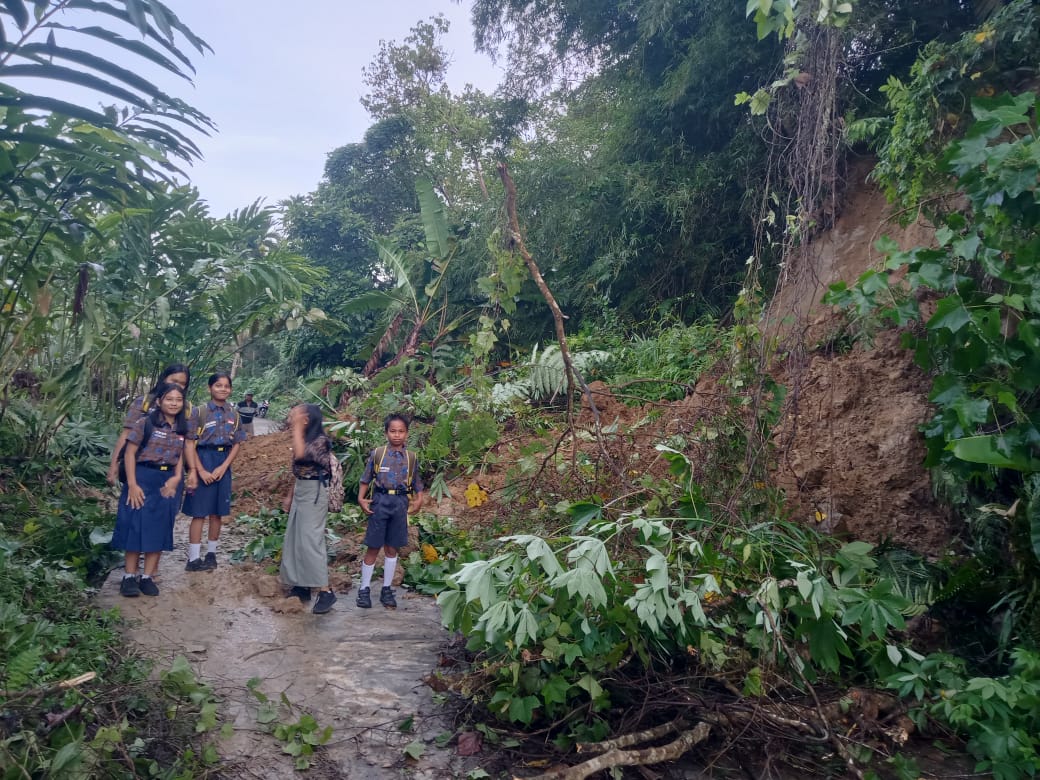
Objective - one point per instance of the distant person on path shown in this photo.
(247, 409)
(304, 555)
(208, 486)
(396, 492)
(178, 374)
(148, 504)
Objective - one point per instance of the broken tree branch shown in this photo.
(644, 757)
(573, 375)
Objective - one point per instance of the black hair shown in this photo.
(314, 427)
(180, 421)
(170, 370)
(391, 417)
(214, 378)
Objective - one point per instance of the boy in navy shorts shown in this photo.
(396, 491)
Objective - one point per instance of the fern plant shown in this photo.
(547, 375)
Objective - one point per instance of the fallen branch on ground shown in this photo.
(644, 757)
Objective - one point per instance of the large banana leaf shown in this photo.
(989, 450)
(435, 222)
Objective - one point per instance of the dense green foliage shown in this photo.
(108, 272)
(641, 181)
(54, 721)
(974, 295)
(927, 109)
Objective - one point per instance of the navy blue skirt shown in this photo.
(213, 499)
(150, 528)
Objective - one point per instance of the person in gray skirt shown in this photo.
(304, 557)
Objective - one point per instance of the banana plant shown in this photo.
(419, 295)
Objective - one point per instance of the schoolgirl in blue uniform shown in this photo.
(148, 504)
(208, 485)
(175, 373)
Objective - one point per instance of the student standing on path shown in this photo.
(247, 410)
(304, 555)
(149, 501)
(397, 491)
(209, 485)
(178, 374)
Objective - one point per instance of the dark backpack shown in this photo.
(149, 427)
(335, 483)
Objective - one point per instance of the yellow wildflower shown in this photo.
(429, 553)
(475, 495)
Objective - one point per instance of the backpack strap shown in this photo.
(203, 415)
(149, 429)
(379, 454)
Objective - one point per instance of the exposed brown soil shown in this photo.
(850, 451)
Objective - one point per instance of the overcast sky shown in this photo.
(284, 85)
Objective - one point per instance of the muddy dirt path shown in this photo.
(358, 671)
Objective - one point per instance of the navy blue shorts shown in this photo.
(388, 523)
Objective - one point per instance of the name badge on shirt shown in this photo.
(160, 435)
(209, 424)
(384, 469)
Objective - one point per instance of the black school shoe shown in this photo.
(364, 598)
(300, 592)
(196, 565)
(386, 598)
(148, 587)
(326, 599)
(210, 562)
(129, 587)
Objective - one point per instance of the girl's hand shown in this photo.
(169, 488)
(366, 505)
(191, 481)
(134, 497)
(112, 477)
(219, 472)
(287, 503)
(206, 476)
